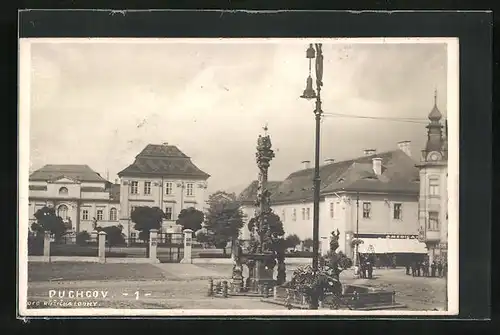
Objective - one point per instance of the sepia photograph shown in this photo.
(238, 176)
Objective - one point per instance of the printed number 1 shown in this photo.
(136, 295)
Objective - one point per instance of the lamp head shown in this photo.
(310, 53)
(309, 92)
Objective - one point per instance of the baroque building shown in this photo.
(161, 176)
(373, 197)
(433, 199)
(77, 193)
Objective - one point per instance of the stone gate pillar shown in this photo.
(153, 243)
(101, 240)
(188, 239)
(46, 246)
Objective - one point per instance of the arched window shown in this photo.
(112, 214)
(62, 211)
(63, 191)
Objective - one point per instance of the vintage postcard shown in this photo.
(174, 177)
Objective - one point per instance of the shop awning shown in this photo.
(412, 246)
(391, 246)
(373, 246)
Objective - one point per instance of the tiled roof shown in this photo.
(249, 194)
(76, 172)
(166, 160)
(399, 174)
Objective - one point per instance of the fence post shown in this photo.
(153, 242)
(101, 238)
(46, 246)
(188, 239)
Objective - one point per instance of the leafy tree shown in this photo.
(47, 220)
(292, 241)
(114, 235)
(308, 243)
(190, 218)
(145, 219)
(223, 223)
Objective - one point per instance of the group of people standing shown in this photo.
(365, 269)
(420, 268)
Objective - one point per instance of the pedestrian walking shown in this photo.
(440, 269)
(433, 269)
(414, 269)
(445, 269)
(407, 268)
(419, 266)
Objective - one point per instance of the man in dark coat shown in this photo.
(433, 269)
(440, 269)
(369, 266)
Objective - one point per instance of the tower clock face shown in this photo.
(434, 156)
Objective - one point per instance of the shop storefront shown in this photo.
(392, 250)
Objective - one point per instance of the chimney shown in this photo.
(404, 146)
(116, 180)
(306, 164)
(377, 165)
(329, 160)
(369, 152)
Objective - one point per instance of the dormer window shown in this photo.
(63, 191)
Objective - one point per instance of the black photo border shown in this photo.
(474, 30)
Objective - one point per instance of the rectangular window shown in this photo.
(367, 209)
(168, 188)
(294, 214)
(85, 214)
(308, 213)
(433, 223)
(303, 213)
(398, 212)
(132, 208)
(433, 187)
(133, 234)
(113, 214)
(134, 187)
(189, 190)
(147, 187)
(168, 213)
(100, 214)
(332, 209)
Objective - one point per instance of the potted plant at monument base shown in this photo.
(305, 283)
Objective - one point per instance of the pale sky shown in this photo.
(101, 103)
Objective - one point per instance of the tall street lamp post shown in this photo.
(356, 256)
(309, 93)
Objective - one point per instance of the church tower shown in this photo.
(433, 199)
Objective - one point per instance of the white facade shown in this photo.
(389, 214)
(433, 203)
(76, 202)
(170, 194)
